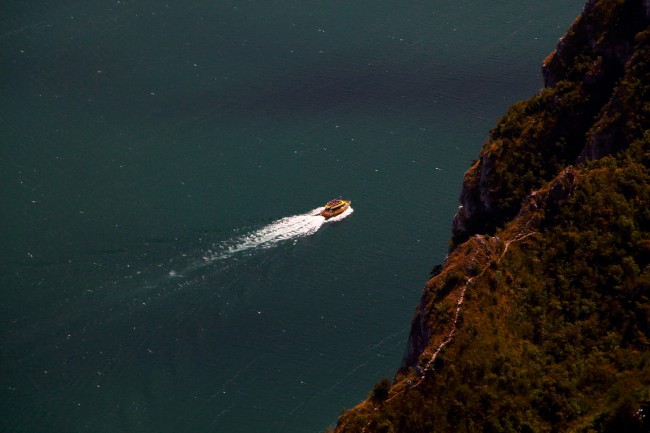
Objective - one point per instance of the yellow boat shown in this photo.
(335, 207)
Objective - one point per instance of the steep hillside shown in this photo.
(539, 320)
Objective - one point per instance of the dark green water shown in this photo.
(150, 154)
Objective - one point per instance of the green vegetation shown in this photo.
(597, 104)
(380, 391)
(535, 141)
(554, 330)
(555, 336)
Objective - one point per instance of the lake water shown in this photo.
(161, 266)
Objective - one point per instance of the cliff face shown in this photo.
(573, 119)
(539, 320)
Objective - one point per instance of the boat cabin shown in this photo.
(333, 204)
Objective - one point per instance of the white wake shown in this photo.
(285, 229)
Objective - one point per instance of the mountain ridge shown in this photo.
(539, 319)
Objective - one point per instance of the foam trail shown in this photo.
(285, 229)
(288, 228)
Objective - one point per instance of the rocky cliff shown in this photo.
(539, 320)
(573, 119)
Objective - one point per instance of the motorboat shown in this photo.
(335, 207)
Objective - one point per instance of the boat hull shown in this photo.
(329, 213)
